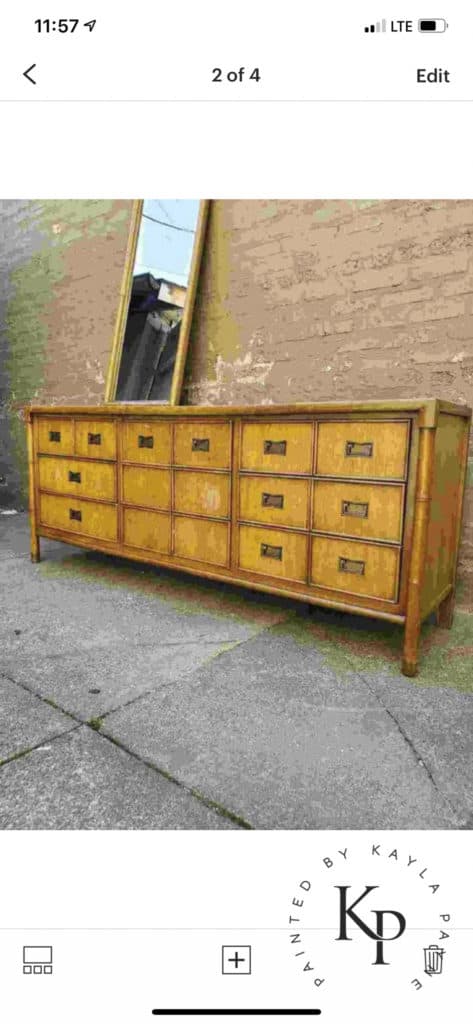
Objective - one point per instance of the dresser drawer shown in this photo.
(360, 510)
(149, 530)
(148, 487)
(205, 494)
(273, 552)
(55, 435)
(277, 447)
(69, 476)
(201, 540)
(368, 449)
(356, 568)
(275, 500)
(147, 441)
(96, 439)
(202, 443)
(85, 517)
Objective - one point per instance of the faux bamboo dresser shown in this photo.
(353, 506)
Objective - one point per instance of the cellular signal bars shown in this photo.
(379, 26)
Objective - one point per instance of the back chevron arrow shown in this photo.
(27, 75)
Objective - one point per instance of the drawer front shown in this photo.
(359, 510)
(356, 568)
(148, 487)
(205, 494)
(273, 552)
(277, 447)
(275, 500)
(201, 541)
(87, 479)
(146, 441)
(202, 443)
(368, 449)
(150, 530)
(96, 439)
(55, 436)
(74, 516)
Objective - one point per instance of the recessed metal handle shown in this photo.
(270, 551)
(359, 509)
(351, 565)
(145, 441)
(74, 478)
(274, 447)
(54, 435)
(272, 500)
(200, 444)
(362, 449)
(74, 513)
(95, 438)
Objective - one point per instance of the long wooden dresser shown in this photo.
(355, 506)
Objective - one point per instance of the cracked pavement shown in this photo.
(135, 697)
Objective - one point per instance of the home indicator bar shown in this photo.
(238, 1013)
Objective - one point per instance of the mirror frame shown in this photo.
(124, 302)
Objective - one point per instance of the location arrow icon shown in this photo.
(27, 74)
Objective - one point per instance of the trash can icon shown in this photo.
(433, 959)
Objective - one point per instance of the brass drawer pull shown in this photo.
(350, 565)
(200, 444)
(145, 441)
(364, 449)
(74, 478)
(274, 447)
(54, 435)
(359, 509)
(272, 500)
(94, 438)
(269, 551)
(74, 513)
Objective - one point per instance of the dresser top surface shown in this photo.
(429, 407)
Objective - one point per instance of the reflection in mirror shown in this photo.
(158, 299)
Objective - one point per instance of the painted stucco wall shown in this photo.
(61, 265)
(307, 300)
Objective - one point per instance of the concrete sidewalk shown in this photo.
(135, 697)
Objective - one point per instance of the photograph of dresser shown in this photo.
(354, 506)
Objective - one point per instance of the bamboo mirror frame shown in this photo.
(125, 297)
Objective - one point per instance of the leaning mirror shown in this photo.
(157, 301)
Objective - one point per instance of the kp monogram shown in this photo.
(379, 935)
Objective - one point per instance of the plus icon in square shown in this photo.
(236, 959)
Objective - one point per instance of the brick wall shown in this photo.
(308, 300)
(61, 265)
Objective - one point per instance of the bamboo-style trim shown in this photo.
(34, 547)
(446, 605)
(327, 410)
(184, 334)
(123, 302)
(172, 540)
(119, 471)
(419, 549)
(235, 507)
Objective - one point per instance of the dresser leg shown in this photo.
(410, 654)
(35, 551)
(444, 612)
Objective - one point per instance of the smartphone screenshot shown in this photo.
(236, 513)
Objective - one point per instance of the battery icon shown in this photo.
(432, 25)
